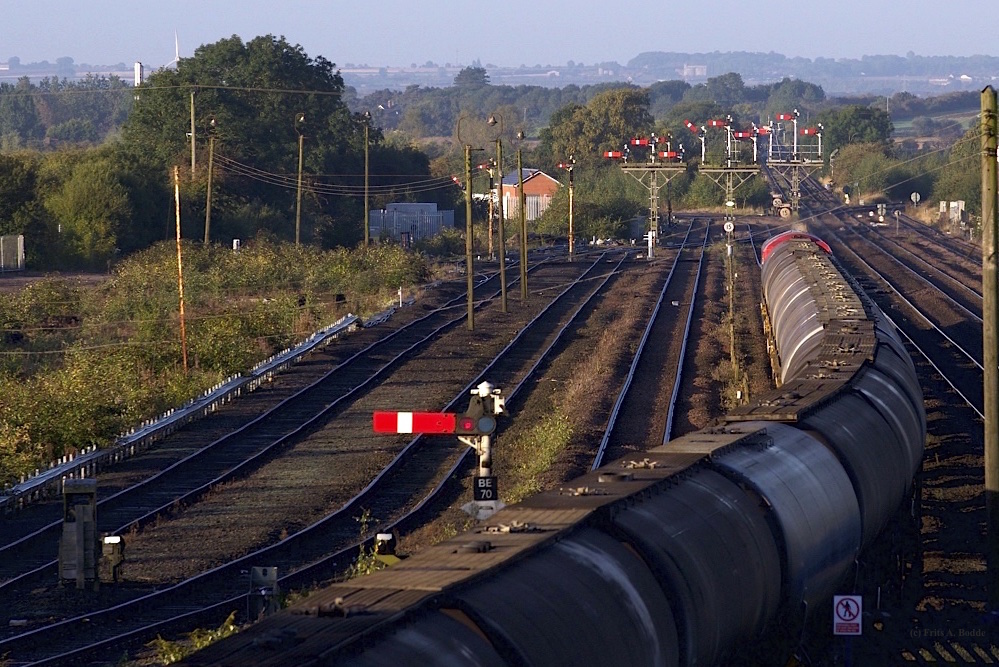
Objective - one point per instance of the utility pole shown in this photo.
(523, 219)
(180, 267)
(572, 234)
(211, 162)
(502, 230)
(367, 212)
(568, 167)
(193, 159)
(490, 214)
(469, 264)
(990, 327)
(299, 119)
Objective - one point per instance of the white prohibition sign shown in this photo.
(847, 614)
(729, 227)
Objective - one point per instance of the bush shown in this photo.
(82, 365)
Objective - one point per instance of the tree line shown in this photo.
(86, 167)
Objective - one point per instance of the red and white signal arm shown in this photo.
(432, 422)
(669, 154)
(414, 422)
(613, 154)
(743, 134)
(717, 123)
(785, 116)
(763, 130)
(847, 614)
(640, 141)
(809, 131)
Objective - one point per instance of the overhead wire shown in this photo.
(965, 139)
(290, 182)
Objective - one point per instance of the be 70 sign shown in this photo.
(486, 488)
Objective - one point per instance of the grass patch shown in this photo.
(169, 652)
(538, 449)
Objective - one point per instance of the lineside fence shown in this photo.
(91, 461)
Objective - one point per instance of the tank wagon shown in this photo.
(671, 558)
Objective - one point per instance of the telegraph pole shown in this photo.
(523, 220)
(211, 162)
(490, 214)
(192, 135)
(568, 166)
(180, 267)
(572, 235)
(469, 264)
(990, 330)
(502, 230)
(367, 211)
(299, 119)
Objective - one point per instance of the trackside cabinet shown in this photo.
(78, 547)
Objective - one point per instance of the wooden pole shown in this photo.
(367, 210)
(523, 225)
(489, 235)
(180, 267)
(572, 235)
(298, 196)
(501, 231)
(193, 158)
(990, 327)
(469, 264)
(208, 197)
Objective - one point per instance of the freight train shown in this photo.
(676, 557)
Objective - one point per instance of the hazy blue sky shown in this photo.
(508, 32)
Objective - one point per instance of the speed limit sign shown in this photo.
(729, 227)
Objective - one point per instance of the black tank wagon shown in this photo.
(673, 558)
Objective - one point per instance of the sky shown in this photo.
(505, 33)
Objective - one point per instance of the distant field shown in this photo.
(903, 127)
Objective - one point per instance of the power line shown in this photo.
(289, 182)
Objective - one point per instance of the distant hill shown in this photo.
(869, 75)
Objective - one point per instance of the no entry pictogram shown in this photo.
(847, 610)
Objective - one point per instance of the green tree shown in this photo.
(607, 122)
(792, 94)
(18, 117)
(91, 208)
(73, 131)
(855, 124)
(865, 163)
(727, 89)
(664, 94)
(17, 190)
(263, 96)
(961, 178)
(471, 76)
(604, 199)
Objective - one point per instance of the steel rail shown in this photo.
(668, 431)
(637, 357)
(301, 574)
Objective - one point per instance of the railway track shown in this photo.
(942, 329)
(205, 459)
(416, 463)
(643, 411)
(953, 272)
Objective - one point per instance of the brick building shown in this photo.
(539, 188)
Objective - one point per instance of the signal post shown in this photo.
(662, 164)
(475, 428)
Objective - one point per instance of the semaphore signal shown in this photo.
(474, 427)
